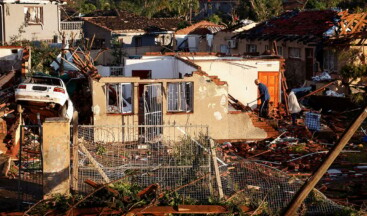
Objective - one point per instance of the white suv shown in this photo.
(45, 93)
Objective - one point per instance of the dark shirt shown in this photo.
(264, 93)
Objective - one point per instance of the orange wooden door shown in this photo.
(271, 80)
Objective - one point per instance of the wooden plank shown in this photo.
(75, 153)
(317, 90)
(96, 186)
(181, 209)
(216, 168)
(94, 162)
(317, 175)
(359, 23)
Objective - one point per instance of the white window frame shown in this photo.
(180, 97)
(294, 52)
(121, 105)
(33, 15)
(330, 60)
(251, 48)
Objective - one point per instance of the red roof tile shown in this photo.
(315, 22)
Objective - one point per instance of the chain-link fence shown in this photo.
(176, 156)
(179, 159)
(252, 184)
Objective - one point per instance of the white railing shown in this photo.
(75, 25)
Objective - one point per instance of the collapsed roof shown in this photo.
(201, 28)
(309, 26)
(295, 23)
(123, 21)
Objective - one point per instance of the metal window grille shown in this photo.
(76, 25)
(119, 98)
(180, 97)
(117, 71)
(251, 48)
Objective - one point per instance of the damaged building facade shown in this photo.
(176, 90)
(310, 41)
(197, 37)
(29, 20)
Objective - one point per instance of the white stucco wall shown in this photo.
(239, 75)
(162, 67)
(8, 54)
(104, 70)
(14, 19)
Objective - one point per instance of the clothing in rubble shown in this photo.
(293, 106)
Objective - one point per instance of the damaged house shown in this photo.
(13, 60)
(174, 90)
(36, 20)
(310, 41)
(135, 34)
(223, 41)
(197, 37)
(33, 20)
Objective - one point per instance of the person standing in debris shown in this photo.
(293, 106)
(264, 97)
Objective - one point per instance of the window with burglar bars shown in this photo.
(119, 97)
(117, 71)
(180, 97)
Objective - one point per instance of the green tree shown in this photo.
(322, 5)
(185, 8)
(215, 19)
(117, 52)
(87, 8)
(355, 6)
(259, 10)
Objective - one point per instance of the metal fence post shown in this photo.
(216, 168)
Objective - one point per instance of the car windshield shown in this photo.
(44, 81)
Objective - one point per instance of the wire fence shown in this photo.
(30, 182)
(260, 186)
(178, 159)
(175, 157)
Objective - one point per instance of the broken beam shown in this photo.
(331, 156)
(94, 162)
(318, 90)
(181, 209)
